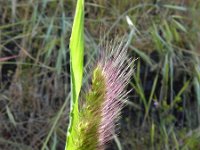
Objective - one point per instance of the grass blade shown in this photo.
(76, 69)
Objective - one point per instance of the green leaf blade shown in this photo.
(76, 70)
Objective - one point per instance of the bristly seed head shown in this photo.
(105, 99)
(117, 70)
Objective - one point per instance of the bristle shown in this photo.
(117, 71)
(105, 99)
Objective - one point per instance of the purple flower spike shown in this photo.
(117, 70)
(105, 99)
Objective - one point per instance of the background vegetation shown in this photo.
(163, 111)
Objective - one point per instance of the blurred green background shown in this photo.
(163, 110)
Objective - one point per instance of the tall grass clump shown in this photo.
(163, 110)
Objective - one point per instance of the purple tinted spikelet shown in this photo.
(105, 99)
(117, 70)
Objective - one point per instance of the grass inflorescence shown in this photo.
(103, 102)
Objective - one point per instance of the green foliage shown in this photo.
(76, 70)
